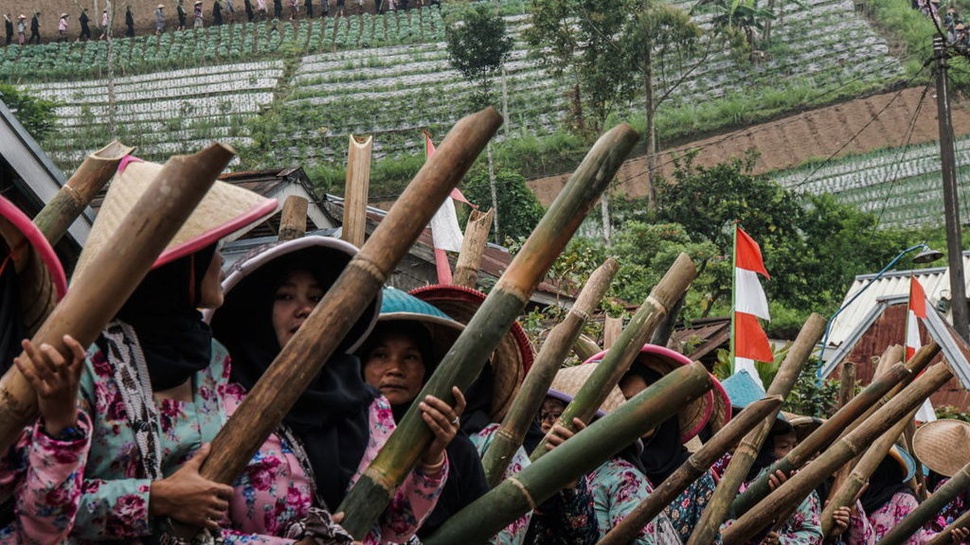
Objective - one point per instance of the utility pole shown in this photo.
(951, 208)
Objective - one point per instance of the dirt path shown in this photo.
(880, 122)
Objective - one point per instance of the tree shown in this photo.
(35, 114)
(477, 48)
(518, 204)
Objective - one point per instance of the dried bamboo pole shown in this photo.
(847, 384)
(944, 537)
(293, 218)
(929, 508)
(695, 466)
(71, 199)
(356, 186)
(618, 360)
(802, 483)
(720, 503)
(846, 494)
(574, 458)
(461, 366)
(309, 349)
(822, 437)
(612, 328)
(101, 289)
(509, 437)
(472, 248)
(585, 348)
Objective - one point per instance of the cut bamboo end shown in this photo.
(293, 218)
(472, 248)
(356, 189)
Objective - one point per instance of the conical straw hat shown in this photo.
(512, 358)
(41, 278)
(224, 209)
(570, 380)
(943, 445)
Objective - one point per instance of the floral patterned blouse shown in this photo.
(685, 511)
(888, 516)
(275, 491)
(567, 518)
(951, 511)
(804, 527)
(513, 534)
(43, 477)
(860, 530)
(618, 487)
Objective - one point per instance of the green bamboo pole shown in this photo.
(509, 437)
(461, 365)
(585, 348)
(98, 292)
(579, 455)
(846, 494)
(695, 466)
(929, 508)
(71, 199)
(800, 485)
(822, 437)
(621, 355)
(944, 537)
(717, 509)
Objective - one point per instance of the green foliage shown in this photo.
(478, 46)
(35, 114)
(809, 397)
(949, 411)
(518, 208)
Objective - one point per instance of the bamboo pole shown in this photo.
(619, 358)
(100, 290)
(717, 509)
(579, 455)
(356, 186)
(918, 517)
(944, 537)
(472, 248)
(612, 328)
(847, 493)
(509, 437)
(585, 348)
(796, 488)
(918, 480)
(293, 218)
(847, 384)
(71, 199)
(695, 466)
(461, 366)
(313, 344)
(822, 437)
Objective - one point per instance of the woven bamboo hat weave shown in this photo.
(695, 415)
(568, 381)
(399, 305)
(512, 358)
(224, 210)
(40, 275)
(943, 445)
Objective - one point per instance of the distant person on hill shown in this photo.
(308, 4)
(180, 11)
(217, 13)
(231, 11)
(105, 24)
(8, 28)
(250, 14)
(22, 29)
(278, 9)
(324, 8)
(35, 29)
(62, 28)
(130, 23)
(159, 20)
(85, 29)
(294, 9)
(261, 10)
(340, 7)
(197, 14)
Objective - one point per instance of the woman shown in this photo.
(889, 497)
(941, 446)
(40, 475)
(339, 424)
(154, 380)
(619, 484)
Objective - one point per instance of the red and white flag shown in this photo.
(915, 312)
(750, 342)
(446, 234)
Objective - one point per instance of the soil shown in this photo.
(879, 121)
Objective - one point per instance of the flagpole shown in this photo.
(734, 295)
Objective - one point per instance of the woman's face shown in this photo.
(631, 385)
(210, 295)
(551, 410)
(784, 444)
(395, 367)
(294, 300)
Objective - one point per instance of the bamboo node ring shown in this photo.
(369, 267)
(657, 304)
(75, 195)
(525, 492)
(579, 313)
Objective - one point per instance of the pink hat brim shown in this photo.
(38, 242)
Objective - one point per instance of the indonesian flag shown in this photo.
(750, 303)
(446, 234)
(915, 312)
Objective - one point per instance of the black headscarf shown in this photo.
(479, 396)
(766, 456)
(11, 319)
(663, 452)
(884, 483)
(331, 418)
(163, 312)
